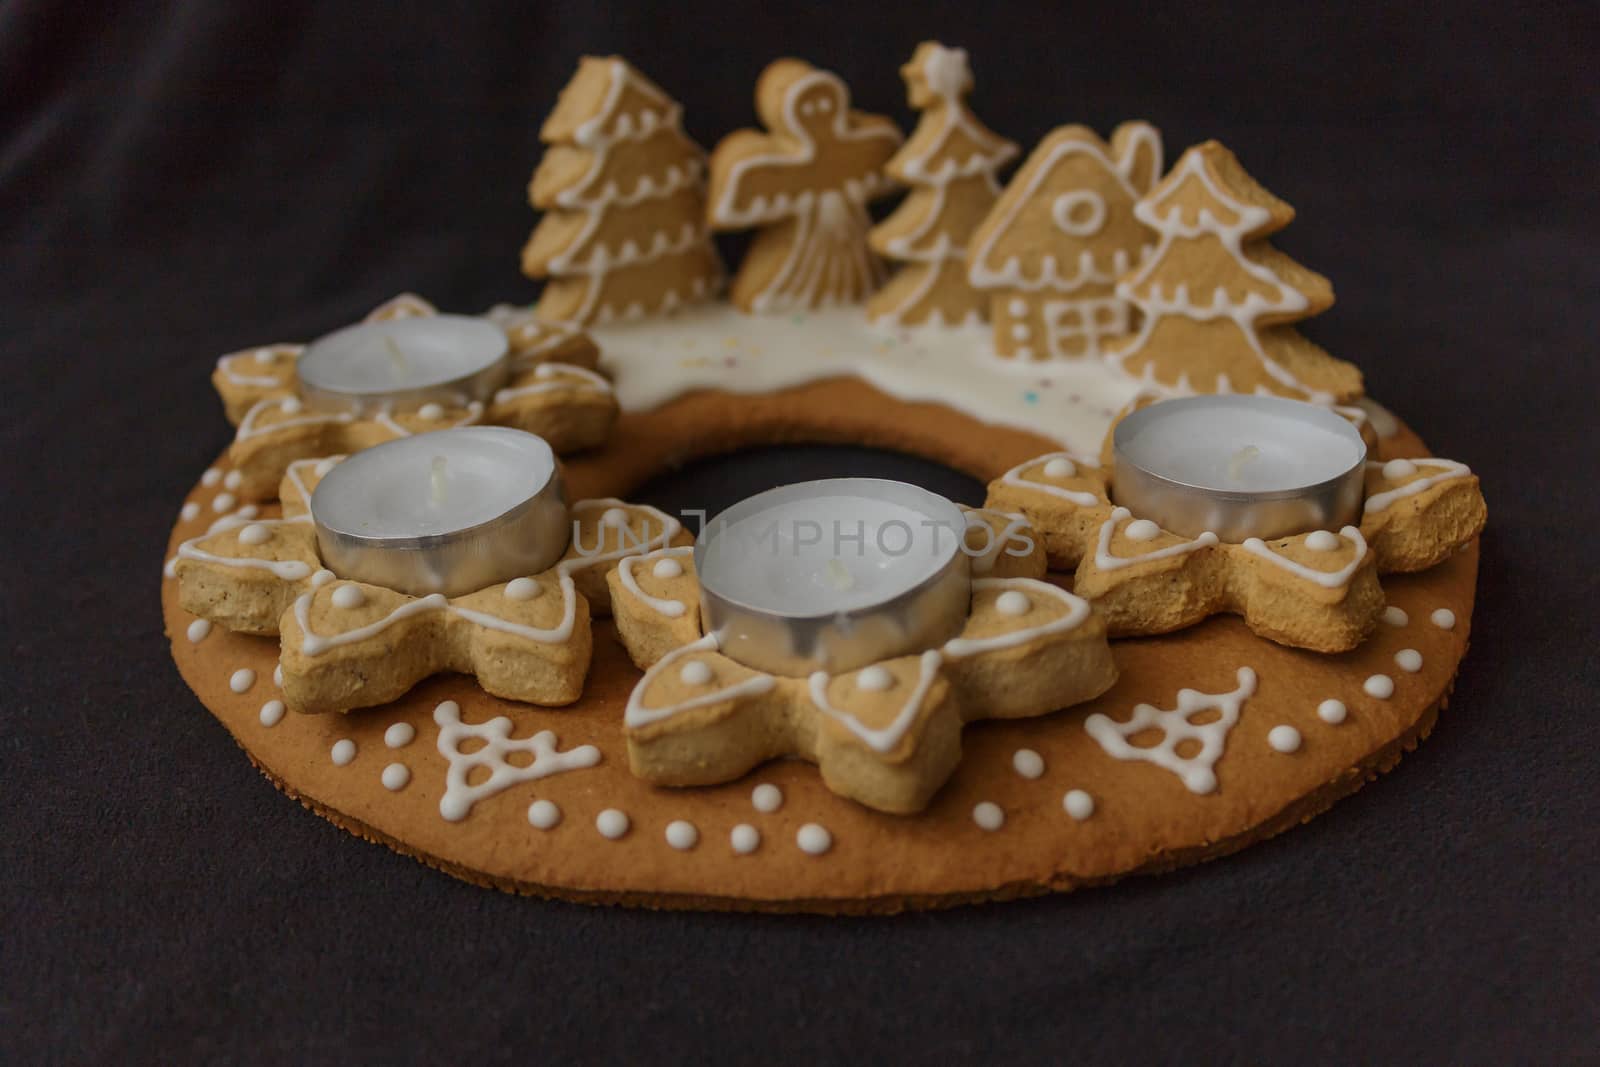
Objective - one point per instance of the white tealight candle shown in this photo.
(445, 512)
(402, 364)
(833, 575)
(1239, 466)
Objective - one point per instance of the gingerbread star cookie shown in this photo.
(348, 644)
(554, 392)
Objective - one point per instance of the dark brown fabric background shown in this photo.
(179, 181)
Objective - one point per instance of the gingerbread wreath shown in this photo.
(1115, 697)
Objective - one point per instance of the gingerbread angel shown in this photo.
(805, 183)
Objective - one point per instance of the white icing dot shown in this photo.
(290, 405)
(875, 679)
(612, 823)
(348, 596)
(1408, 660)
(1322, 541)
(543, 814)
(431, 412)
(1331, 712)
(988, 816)
(522, 589)
(272, 713)
(242, 680)
(813, 839)
(614, 517)
(190, 510)
(1284, 738)
(1396, 469)
(198, 630)
(223, 502)
(254, 534)
(399, 734)
(667, 568)
(682, 835)
(1141, 530)
(1060, 467)
(1078, 804)
(745, 839)
(1395, 616)
(249, 511)
(1443, 618)
(1380, 686)
(1028, 763)
(1018, 306)
(395, 776)
(211, 477)
(322, 578)
(233, 480)
(1020, 331)
(695, 673)
(343, 752)
(277, 676)
(1012, 602)
(766, 797)
(170, 568)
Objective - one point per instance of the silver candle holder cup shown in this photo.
(400, 365)
(795, 643)
(363, 533)
(1185, 465)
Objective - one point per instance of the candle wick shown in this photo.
(1236, 462)
(839, 575)
(438, 481)
(396, 357)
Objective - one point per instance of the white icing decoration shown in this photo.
(614, 517)
(989, 816)
(1396, 469)
(695, 672)
(395, 776)
(291, 406)
(1326, 579)
(1078, 804)
(885, 738)
(1013, 477)
(637, 714)
(1028, 763)
(744, 839)
(249, 511)
(277, 675)
(1332, 711)
(550, 377)
(813, 839)
(664, 559)
(190, 511)
(1197, 772)
(1079, 213)
(289, 570)
(241, 680)
(766, 798)
(1380, 686)
(197, 631)
(250, 427)
(232, 480)
(612, 823)
(1060, 467)
(1408, 660)
(1104, 560)
(1077, 611)
(224, 502)
(322, 578)
(1142, 530)
(459, 797)
(682, 835)
(1013, 603)
(1284, 739)
(343, 752)
(522, 589)
(272, 713)
(430, 411)
(875, 679)
(667, 568)
(1448, 470)
(1322, 541)
(264, 356)
(211, 477)
(399, 734)
(1395, 616)
(543, 814)
(348, 596)
(1443, 618)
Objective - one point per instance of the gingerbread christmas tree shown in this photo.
(623, 189)
(1218, 300)
(1050, 251)
(805, 182)
(949, 163)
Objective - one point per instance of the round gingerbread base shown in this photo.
(1036, 805)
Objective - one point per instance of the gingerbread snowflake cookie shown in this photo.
(887, 735)
(349, 644)
(553, 391)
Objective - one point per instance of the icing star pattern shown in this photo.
(348, 644)
(554, 392)
(886, 735)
